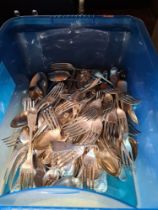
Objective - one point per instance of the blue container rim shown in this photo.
(59, 187)
(90, 18)
(86, 20)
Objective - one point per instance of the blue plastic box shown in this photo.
(31, 44)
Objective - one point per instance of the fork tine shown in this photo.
(56, 90)
(64, 106)
(129, 99)
(66, 159)
(131, 156)
(123, 156)
(56, 103)
(12, 145)
(54, 118)
(126, 158)
(24, 106)
(47, 119)
(76, 128)
(92, 178)
(85, 139)
(50, 118)
(11, 142)
(27, 103)
(7, 139)
(132, 129)
(75, 134)
(98, 94)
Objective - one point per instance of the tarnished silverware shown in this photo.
(51, 177)
(134, 146)
(58, 76)
(11, 141)
(66, 157)
(16, 159)
(62, 66)
(129, 99)
(132, 130)
(43, 140)
(19, 120)
(90, 119)
(27, 170)
(74, 130)
(40, 171)
(111, 127)
(38, 86)
(108, 159)
(89, 169)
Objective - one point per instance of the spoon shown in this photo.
(19, 120)
(58, 76)
(38, 85)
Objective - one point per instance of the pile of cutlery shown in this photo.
(76, 125)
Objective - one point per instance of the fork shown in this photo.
(53, 124)
(129, 99)
(110, 126)
(126, 151)
(99, 94)
(17, 158)
(132, 130)
(78, 126)
(65, 106)
(85, 121)
(88, 138)
(93, 135)
(50, 118)
(75, 105)
(13, 139)
(27, 171)
(66, 157)
(107, 103)
(89, 168)
(52, 96)
(115, 122)
(121, 116)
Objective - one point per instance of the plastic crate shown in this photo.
(30, 44)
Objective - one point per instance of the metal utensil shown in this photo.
(58, 76)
